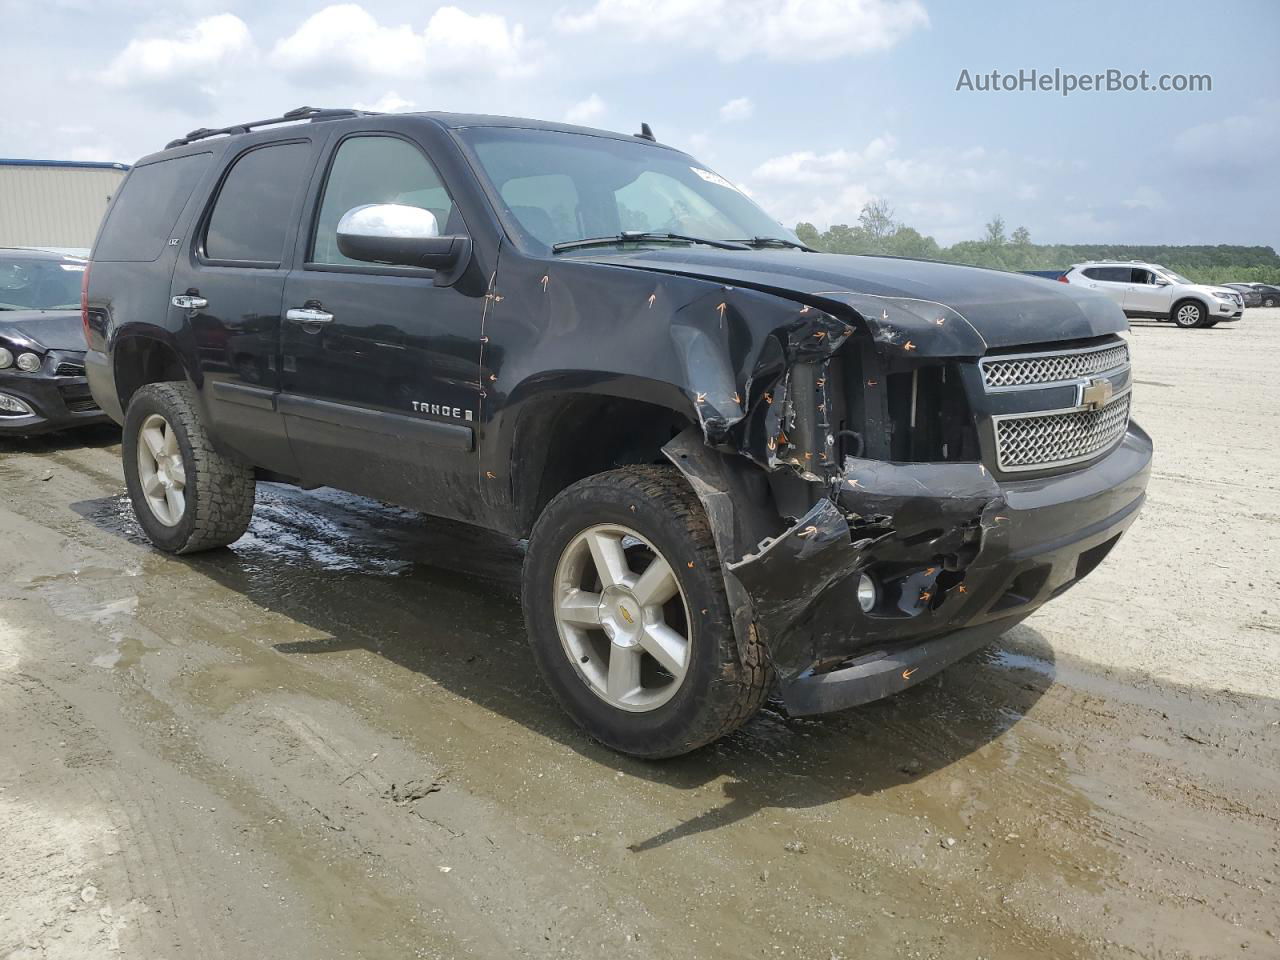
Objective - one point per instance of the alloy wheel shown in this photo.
(625, 632)
(161, 470)
(1188, 315)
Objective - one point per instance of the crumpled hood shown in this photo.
(943, 309)
(42, 329)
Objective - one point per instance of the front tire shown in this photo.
(1189, 314)
(1269, 302)
(628, 619)
(186, 495)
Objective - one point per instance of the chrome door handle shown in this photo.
(187, 302)
(308, 315)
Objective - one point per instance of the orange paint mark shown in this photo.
(908, 346)
(906, 674)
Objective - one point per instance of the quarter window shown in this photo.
(252, 214)
(377, 169)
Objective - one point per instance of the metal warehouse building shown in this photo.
(54, 203)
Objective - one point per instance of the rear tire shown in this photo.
(646, 516)
(1269, 301)
(186, 495)
(1188, 314)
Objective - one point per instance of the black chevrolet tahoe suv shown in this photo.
(740, 465)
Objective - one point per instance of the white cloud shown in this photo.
(586, 112)
(389, 102)
(1209, 147)
(210, 46)
(739, 108)
(774, 29)
(347, 39)
(944, 192)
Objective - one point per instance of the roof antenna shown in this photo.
(646, 133)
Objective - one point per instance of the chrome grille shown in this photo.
(1038, 441)
(1033, 369)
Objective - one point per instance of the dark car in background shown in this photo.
(42, 381)
(1269, 293)
(1252, 296)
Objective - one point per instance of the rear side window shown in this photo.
(253, 212)
(1109, 274)
(150, 202)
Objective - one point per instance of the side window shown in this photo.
(1141, 276)
(1092, 273)
(377, 169)
(546, 206)
(1111, 274)
(251, 216)
(149, 204)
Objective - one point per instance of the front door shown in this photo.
(379, 366)
(229, 288)
(1146, 297)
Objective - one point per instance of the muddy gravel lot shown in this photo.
(329, 741)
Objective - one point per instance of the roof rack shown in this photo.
(312, 114)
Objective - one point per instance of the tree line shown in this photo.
(877, 232)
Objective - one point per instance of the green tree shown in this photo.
(995, 232)
(876, 221)
(809, 235)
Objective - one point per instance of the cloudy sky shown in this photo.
(813, 106)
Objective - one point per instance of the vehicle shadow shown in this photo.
(442, 599)
(1166, 325)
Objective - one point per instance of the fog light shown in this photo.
(6, 358)
(13, 407)
(868, 593)
(28, 362)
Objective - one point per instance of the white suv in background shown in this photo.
(1155, 292)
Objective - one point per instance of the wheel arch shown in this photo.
(138, 359)
(563, 430)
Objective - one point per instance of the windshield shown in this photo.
(1175, 277)
(30, 284)
(560, 187)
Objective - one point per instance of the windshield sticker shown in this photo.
(715, 178)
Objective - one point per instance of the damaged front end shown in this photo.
(865, 417)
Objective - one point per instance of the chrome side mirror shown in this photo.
(400, 235)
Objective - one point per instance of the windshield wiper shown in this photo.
(636, 236)
(775, 242)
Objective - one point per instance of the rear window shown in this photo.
(254, 209)
(150, 202)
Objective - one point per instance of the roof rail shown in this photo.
(312, 114)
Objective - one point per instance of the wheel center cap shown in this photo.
(620, 616)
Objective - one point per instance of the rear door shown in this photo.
(230, 288)
(1113, 281)
(381, 395)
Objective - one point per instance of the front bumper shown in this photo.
(959, 558)
(57, 403)
(1227, 310)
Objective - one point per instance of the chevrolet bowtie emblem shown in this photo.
(1096, 393)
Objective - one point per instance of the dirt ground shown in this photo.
(329, 741)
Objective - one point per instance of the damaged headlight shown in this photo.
(6, 358)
